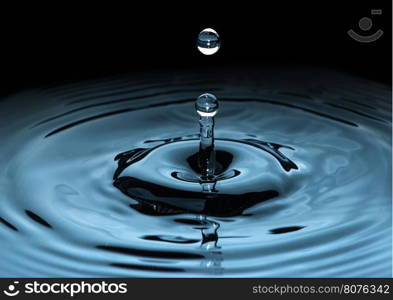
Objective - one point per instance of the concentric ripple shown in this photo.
(310, 158)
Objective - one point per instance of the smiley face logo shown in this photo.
(365, 24)
(12, 291)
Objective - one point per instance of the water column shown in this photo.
(206, 106)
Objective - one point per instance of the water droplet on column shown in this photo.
(208, 41)
(207, 106)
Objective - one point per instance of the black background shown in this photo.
(61, 43)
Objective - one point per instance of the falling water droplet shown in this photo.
(208, 41)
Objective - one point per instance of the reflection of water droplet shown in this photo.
(208, 41)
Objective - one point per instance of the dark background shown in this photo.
(54, 44)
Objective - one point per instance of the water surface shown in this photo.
(306, 190)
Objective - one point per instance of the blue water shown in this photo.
(305, 187)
